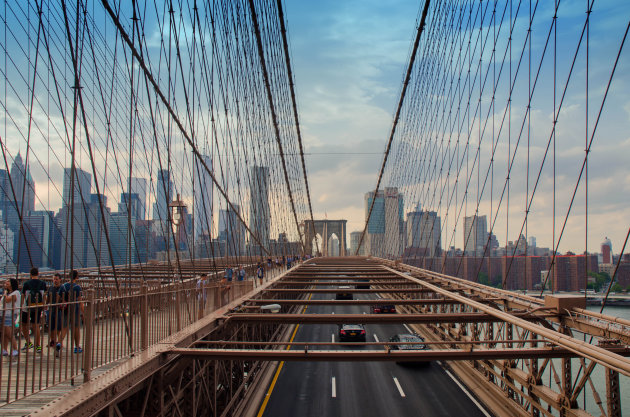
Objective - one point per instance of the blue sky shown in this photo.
(349, 58)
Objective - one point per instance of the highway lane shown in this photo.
(363, 388)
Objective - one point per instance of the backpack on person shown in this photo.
(37, 290)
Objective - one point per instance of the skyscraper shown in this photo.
(532, 242)
(164, 195)
(36, 241)
(145, 240)
(606, 251)
(232, 231)
(259, 213)
(385, 234)
(423, 231)
(131, 203)
(122, 241)
(475, 235)
(82, 186)
(355, 237)
(7, 240)
(73, 228)
(139, 187)
(24, 192)
(21, 199)
(5, 192)
(97, 252)
(203, 196)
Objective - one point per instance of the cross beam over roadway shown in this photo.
(493, 340)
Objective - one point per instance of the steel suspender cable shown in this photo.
(396, 117)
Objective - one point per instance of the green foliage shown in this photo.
(484, 279)
(601, 279)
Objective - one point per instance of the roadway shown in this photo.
(362, 388)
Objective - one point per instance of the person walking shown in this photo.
(52, 301)
(241, 273)
(33, 292)
(202, 292)
(11, 310)
(72, 297)
(229, 273)
(260, 273)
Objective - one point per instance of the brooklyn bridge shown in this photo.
(165, 246)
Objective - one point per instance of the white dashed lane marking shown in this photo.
(334, 388)
(400, 390)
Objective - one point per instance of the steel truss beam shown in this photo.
(595, 353)
(338, 283)
(351, 290)
(380, 301)
(377, 355)
(370, 318)
(181, 377)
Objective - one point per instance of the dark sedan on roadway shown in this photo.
(364, 284)
(344, 293)
(384, 309)
(352, 333)
(411, 342)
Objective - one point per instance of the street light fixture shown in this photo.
(178, 212)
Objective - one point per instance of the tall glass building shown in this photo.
(259, 213)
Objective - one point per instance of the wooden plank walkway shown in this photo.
(36, 379)
(26, 405)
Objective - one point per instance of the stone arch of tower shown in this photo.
(325, 228)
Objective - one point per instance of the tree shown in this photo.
(482, 278)
(601, 278)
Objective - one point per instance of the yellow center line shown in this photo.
(275, 377)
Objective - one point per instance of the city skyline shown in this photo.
(83, 189)
(349, 59)
(85, 232)
(348, 89)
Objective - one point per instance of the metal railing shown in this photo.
(99, 330)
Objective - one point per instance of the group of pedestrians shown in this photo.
(240, 272)
(25, 310)
(284, 261)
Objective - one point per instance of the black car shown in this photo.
(412, 342)
(365, 284)
(352, 333)
(344, 293)
(384, 309)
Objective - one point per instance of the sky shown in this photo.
(349, 59)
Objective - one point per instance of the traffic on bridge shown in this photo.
(255, 208)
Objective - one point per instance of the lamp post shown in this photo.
(178, 213)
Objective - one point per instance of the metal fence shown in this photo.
(99, 330)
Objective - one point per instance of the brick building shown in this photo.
(569, 271)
